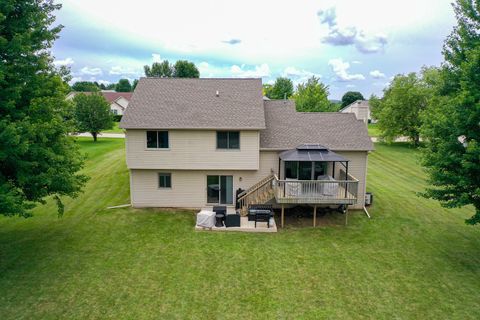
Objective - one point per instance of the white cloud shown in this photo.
(351, 86)
(356, 62)
(340, 68)
(119, 70)
(65, 62)
(75, 79)
(370, 44)
(105, 82)
(377, 74)
(350, 35)
(91, 71)
(260, 71)
(297, 75)
(156, 57)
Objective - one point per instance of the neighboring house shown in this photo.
(192, 143)
(361, 109)
(118, 100)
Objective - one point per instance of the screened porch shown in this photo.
(312, 174)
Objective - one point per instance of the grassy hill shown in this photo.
(413, 259)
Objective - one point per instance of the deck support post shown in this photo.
(346, 215)
(283, 216)
(314, 216)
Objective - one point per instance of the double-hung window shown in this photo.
(157, 140)
(228, 140)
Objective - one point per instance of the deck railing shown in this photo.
(331, 192)
(317, 191)
(261, 192)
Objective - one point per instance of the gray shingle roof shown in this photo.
(287, 129)
(180, 103)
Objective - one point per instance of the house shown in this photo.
(192, 143)
(118, 100)
(361, 109)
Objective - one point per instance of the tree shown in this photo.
(92, 113)
(312, 96)
(110, 86)
(451, 131)
(85, 86)
(350, 97)
(281, 89)
(185, 69)
(267, 88)
(134, 85)
(159, 69)
(37, 158)
(398, 112)
(181, 69)
(123, 85)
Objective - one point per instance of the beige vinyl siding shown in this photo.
(122, 101)
(357, 167)
(189, 186)
(193, 150)
(114, 106)
(361, 112)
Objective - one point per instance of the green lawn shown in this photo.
(115, 129)
(412, 260)
(373, 130)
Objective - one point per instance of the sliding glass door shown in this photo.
(220, 189)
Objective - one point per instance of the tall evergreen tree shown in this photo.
(452, 121)
(37, 158)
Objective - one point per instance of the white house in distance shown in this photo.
(361, 109)
(191, 143)
(118, 100)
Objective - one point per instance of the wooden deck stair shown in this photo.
(259, 193)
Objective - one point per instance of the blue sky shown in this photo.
(350, 45)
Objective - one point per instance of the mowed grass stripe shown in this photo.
(413, 259)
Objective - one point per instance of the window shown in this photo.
(164, 180)
(291, 169)
(305, 170)
(115, 111)
(157, 139)
(228, 140)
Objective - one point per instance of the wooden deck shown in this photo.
(316, 192)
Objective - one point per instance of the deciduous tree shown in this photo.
(398, 112)
(85, 86)
(281, 89)
(350, 97)
(159, 69)
(452, 121)
(123, 85)
(92, 113)
(185, 69)
(312, 96)
(37, 158)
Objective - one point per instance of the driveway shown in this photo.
(102, 135)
